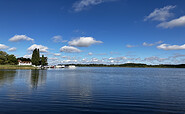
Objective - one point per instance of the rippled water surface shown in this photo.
(93, 90)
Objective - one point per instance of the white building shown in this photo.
(24, 62)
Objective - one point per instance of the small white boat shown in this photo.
(63, 66)
(71, 66)
(60, 66)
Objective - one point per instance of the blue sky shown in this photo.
(95, 31)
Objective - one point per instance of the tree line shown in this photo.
(141, 65)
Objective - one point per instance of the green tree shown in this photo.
(43, 60)
(3, 57)
(35, 57)
(38, 57)
(11, 59)
(7, 59)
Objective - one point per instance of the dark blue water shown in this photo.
(93, 90)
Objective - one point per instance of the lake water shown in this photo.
(93, 90)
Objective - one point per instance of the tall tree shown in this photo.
(35, 57)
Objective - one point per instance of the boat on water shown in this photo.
(60, 66)
(51, 67)
(71, 66)
(57, 66)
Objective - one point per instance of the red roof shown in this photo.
(24, 61)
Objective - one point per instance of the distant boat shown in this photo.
(71, 66)
(60, 66)
(51, 66)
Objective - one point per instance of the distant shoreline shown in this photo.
(127, 65)
(132, 65)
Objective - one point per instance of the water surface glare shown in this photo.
(93, 90)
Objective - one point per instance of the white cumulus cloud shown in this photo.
(171, 47)
(160, 14)
(2, 46)
(12, 49)
(84, 42)
(40, 47)
(69, 49)
(151, 44)
(173, 23)
(17, 38)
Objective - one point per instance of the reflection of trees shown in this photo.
(7, 76)
(79, 86)
(38, 77)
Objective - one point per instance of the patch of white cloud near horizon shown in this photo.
(53, 58)
(130, 46)
(171, 47)
(160, 14)
(111, 60)
(152, 44)
(56, 54)
(12, 49)
(70, 49)
(173, 23)
(177, 55)
(69, 61)
(90, 53)
(17, 38)
(40, 47)
(58, 39)
(154, 58)
(84, 42)
(2, 46)
(119, 60)
(65, 57)
(27, 56)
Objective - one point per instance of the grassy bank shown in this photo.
(16, 67)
